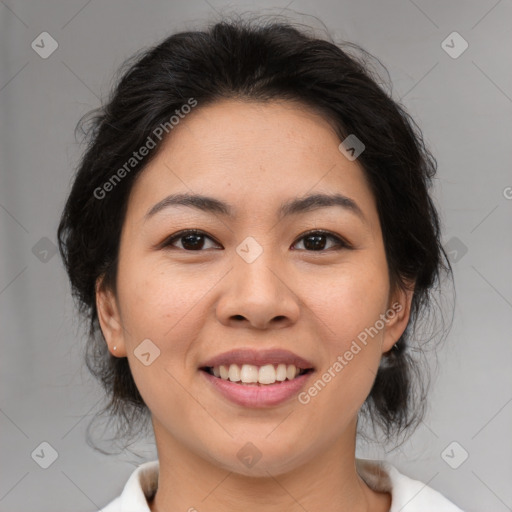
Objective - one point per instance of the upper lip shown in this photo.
(258, 358)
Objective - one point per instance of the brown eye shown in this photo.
(318, 240)
(191, 240)
(314, 241)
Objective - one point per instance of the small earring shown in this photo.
(115, 348)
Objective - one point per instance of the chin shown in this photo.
(261, 458)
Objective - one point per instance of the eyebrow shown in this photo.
(296, 206)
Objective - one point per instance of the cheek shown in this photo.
(166, 312)
(349, 305)
(156, 299)
(349, 298)
(351, 345)
(161, 307)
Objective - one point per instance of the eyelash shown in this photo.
(340, 242)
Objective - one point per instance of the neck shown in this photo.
(328, 482)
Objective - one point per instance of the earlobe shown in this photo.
(397, 317)
(109, 320)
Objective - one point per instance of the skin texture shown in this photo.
(194, 304)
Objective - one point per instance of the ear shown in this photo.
(109, 319)
(397, 315)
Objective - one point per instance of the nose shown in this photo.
(258, 295)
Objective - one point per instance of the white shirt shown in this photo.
(407, 495)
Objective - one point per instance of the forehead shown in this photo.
(252, 156)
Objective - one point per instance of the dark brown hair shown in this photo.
(258, 61)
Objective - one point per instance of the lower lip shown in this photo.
(258, 395)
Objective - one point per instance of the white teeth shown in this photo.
(281, 372)
(250, 374)
(223, 372)
(234, 373)
(267, 374)
(290, 372)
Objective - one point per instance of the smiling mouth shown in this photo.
(248, 374)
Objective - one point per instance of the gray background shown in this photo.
(463, 106)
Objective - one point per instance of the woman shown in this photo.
(251, 237)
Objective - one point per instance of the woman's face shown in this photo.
(253, 280)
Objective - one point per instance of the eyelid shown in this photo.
(340, 241)
(180, 234)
